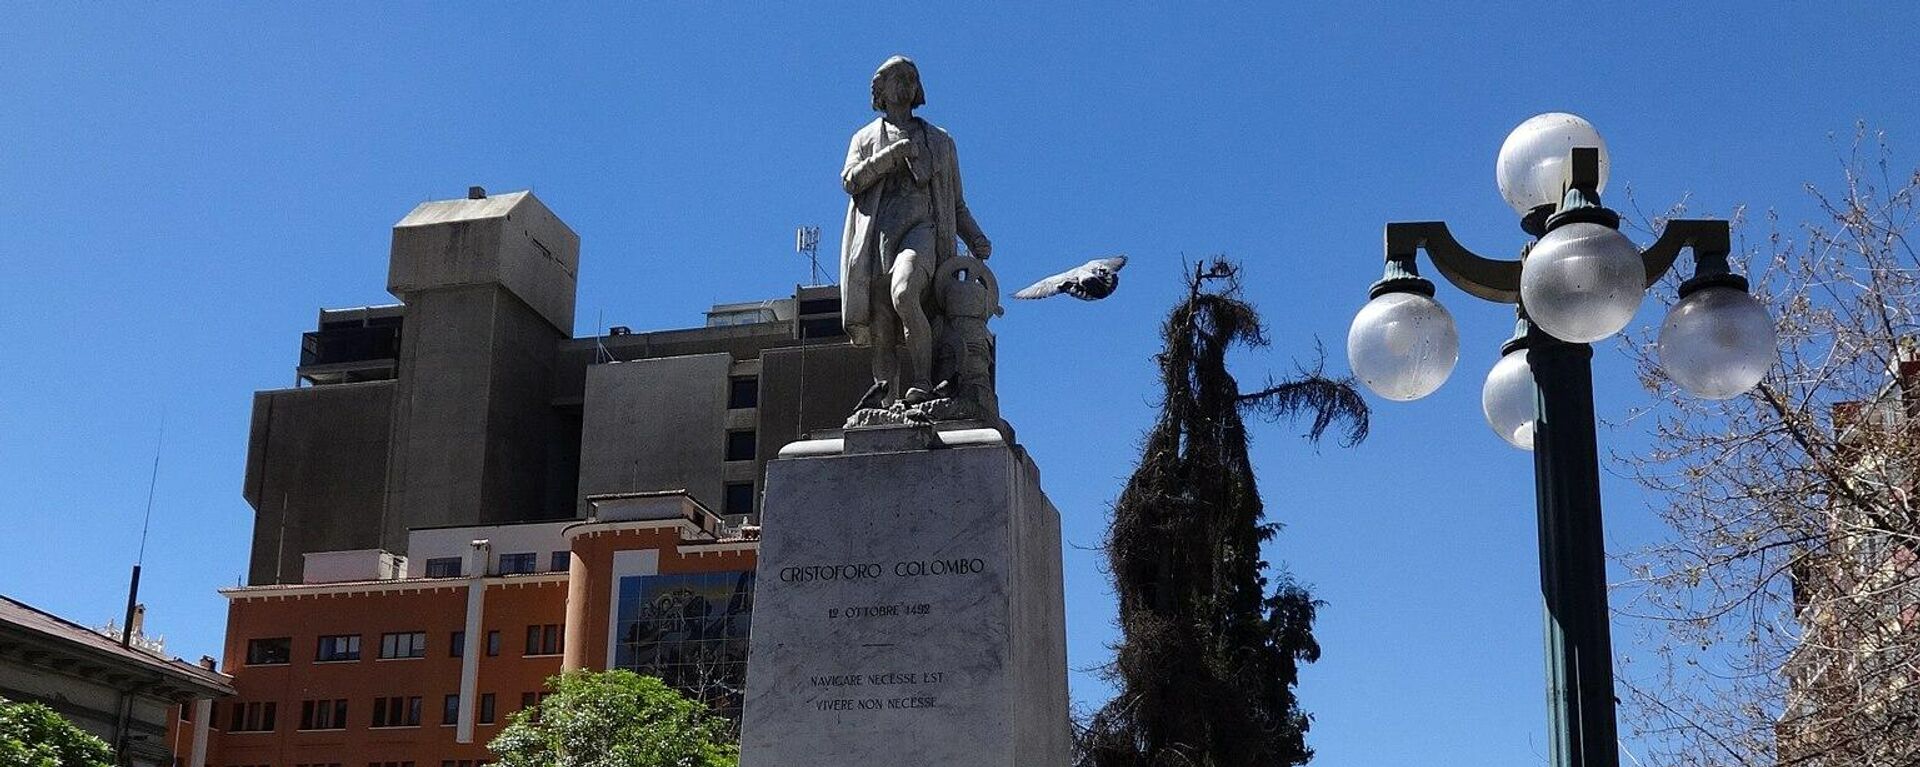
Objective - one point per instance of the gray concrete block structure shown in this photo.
(488, 285)
(316, 473)
(684, 395)
(470, 403)
(507, 240)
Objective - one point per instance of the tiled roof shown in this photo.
(19, 615)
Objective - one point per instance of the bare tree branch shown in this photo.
(1785, 603)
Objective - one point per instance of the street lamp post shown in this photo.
(1579, 282)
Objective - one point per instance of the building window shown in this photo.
(688, 629)
(545, 639)
(743, 393)
(511, 564)
(493, 643)
(533, 700)
(819, 306)
(253, 717)
(405, 644)
(748, 316)
(337, 648)
(396, 711)
(323, 714)
(738, 499)
(740, 445)
(269, 652)
(456, 644)
(450, 710)
(486, 708)
(443, 567)
(562, 561)
(821, 327)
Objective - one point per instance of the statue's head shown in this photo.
(897, 72)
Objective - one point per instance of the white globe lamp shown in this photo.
(1717, 343)
(1403, 345)
(1583, 282)
(1507, 399)
(1533, 160)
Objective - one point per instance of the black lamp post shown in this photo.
(1581, 281)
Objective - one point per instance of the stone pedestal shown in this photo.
(908, 607)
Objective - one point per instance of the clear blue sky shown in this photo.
(182, 187)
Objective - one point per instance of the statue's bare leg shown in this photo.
(885, 330)
(912, 276)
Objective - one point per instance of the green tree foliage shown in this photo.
(33, 735)
(1208, 660)
(614, 719)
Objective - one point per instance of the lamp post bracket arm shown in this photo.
(1485, 278)
(1709, 237)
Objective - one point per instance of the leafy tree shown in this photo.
(1208, 660)
(614, 719)
(33, 735)
(1783, 607)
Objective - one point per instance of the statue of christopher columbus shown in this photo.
(903, 221)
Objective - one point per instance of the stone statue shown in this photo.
(903, 221)
(968, 296)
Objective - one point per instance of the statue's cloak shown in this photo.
(860, 261)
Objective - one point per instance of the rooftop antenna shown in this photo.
(133, 587)
(153, 481)
(280, 549)
(806, 242)
(600, 354)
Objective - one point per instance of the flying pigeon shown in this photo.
(1090, 281)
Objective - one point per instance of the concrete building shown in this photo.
(419, 661)
(91, 680)
(457, 499)
(470, 403)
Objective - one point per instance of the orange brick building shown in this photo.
(386, 661)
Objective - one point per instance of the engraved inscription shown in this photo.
(879, 611)
(855, 571)
(879, 679)
(887, 685)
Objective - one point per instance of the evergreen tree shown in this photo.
(1208, 659)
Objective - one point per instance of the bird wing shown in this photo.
(1045, 287)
